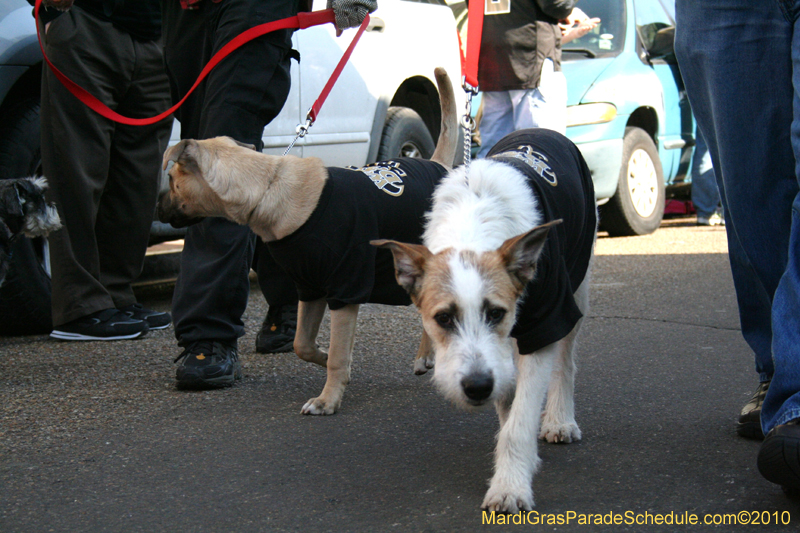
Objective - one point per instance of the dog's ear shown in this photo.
(186, 153)
(520, 253)
(30, 191)
(10, 199)
(409, 262)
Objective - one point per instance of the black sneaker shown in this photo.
(277, 331)
(208, 365)
(105, 325)
(749, 425)
(779, 456)
(154, 319)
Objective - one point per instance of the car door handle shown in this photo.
(376, 24)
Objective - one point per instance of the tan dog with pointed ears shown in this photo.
(318, 223)
(504, 271)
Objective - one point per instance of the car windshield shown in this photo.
(608, 37)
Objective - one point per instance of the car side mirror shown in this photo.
(663, 43)
(658, 39)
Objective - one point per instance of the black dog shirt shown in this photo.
(330, 257)
(562, 183)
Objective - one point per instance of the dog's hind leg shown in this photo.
(340, 355)
(309, 318)
(425, 355)
(558, 418)
(516, 455)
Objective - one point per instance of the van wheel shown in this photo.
(25, 293)
(405, 135)
(638, 205)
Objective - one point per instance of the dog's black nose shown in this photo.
(477, 387)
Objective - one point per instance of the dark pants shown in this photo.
(103, 176)
(753, 133)
(238, 99)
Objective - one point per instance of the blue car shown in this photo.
(628, 112)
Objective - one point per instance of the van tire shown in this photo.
(405, 135)
(637, 207)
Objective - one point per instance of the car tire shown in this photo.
(405, 135)
(637, 207)
(25, 293)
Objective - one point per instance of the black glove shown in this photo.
(351, 13)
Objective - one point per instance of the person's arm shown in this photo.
(558, 9)
(577, 25)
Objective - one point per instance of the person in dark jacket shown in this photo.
(519, 70)
(104, 176)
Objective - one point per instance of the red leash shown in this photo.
(299, 21)
(469, 70)
(469, 64)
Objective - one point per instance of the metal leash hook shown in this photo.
(468, 123)
(301, 130)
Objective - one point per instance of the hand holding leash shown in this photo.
(350, 13)
(61, 5)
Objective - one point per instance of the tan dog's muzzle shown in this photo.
(169, 212)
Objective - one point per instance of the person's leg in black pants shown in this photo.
(277, 331)
(103, 175)
(240, 96)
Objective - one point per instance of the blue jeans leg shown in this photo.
(497, 121)
(705, 193)
(748, 131)
(783, 404)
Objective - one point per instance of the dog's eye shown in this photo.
(495, 315)
(445, 320)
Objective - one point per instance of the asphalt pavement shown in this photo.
(95, 437)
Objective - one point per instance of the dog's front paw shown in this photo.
(319, 406)
(507, 498)
(423, 364)
(560, 433)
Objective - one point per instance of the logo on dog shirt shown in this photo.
(536, 160)
(386, 175)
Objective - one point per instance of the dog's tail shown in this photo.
(447, 144)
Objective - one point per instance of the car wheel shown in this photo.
(638, 205)
(25, 293)
(405, 135)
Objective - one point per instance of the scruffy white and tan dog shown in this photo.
(504, 271)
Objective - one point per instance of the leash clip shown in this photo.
(468, 87)
(301, 130)
(467, 122)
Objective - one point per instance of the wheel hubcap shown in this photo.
(409, 149)
(642, 183)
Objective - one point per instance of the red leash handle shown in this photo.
(299, 21)
(474, 32)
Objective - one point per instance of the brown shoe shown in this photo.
(749, 425)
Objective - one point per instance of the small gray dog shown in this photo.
(23, 210)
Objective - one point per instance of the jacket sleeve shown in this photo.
(558, 9)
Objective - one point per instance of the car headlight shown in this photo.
(579, 115)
